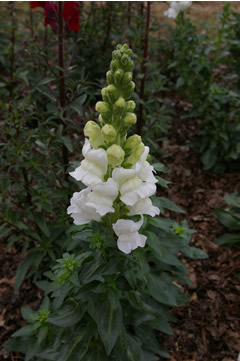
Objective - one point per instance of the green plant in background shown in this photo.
(34, 129)
(230, 218)
(111, 290)
(195, 62)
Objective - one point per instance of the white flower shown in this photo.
(136, 183)
(128, 236)
(80, 211)
(93, 167)
(102, 196)
(176, 7)
(144, 206)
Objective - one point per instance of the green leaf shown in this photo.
(164, 291)
(22, 270)
(162, 182)
(161, 252)
(228, 240)
(166, 203)
(180, 82)
(25, 331)
(209, 158)
(76, 347)
(68, 315)
(227, 219)
(109, 324)
(67, 142)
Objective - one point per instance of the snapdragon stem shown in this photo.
(143, 69)
(62, 98)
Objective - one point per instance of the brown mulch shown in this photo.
(207, 328)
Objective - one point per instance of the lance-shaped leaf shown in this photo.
(109, 323)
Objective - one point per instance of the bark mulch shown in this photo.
(207, 328)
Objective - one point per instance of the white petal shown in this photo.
(93, 167)
(121, 175)
(126, 225)
(144, 206)
(124, 246)
(102, 196)
(80, 211)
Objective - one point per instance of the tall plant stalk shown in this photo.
(13, 41)
(143, 69)
(62, 98)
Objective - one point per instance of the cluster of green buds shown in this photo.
(117, 113)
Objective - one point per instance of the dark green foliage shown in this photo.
(230, 218)
(111, 301)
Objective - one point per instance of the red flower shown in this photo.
(71, 13)
(36, 4)
(50, 15)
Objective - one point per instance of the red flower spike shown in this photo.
(71, 16)
(50, 15)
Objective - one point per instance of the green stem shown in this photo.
(62, 98)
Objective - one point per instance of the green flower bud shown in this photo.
(114, 65)
(128, 90)
(136, 154)
(119, 46)
(102, 107)
(126, 79)
(129, 119)
(109, 133)
(93, 132)
(120, 103)
(115, 155)
(109, 77)
(104, 94)
(112, 93)
(132, 142)
(101, 120)
(131, 105)
(118, 76)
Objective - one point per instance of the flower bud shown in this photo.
(109, 77)
(136, 154)
(102, 107)
(115, 155)
(128, 90)
(109, 133)
(112, 93)
(132, 142)
(93, 132)
(126, 79)
(130, 118)
(131, 105)
(101, 120)
(104, 94)
(120, 103)
(118, 76)
(114, 65)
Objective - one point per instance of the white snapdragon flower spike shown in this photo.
(128, 236)
(136, 183)
(80, 211)
(176, 7)
(144, 206)
(93, 167)
(102, 196)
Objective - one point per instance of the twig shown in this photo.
(62, 98)
(143, 69)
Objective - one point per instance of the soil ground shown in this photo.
(207, 328)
